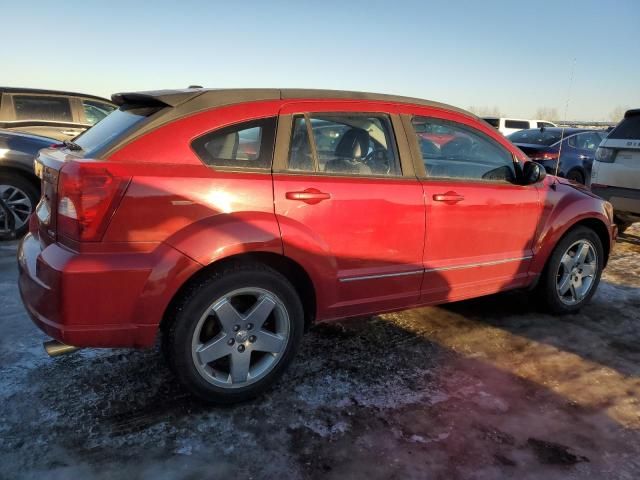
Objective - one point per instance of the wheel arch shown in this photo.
(293, 271)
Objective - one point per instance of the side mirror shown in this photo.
(533, 172)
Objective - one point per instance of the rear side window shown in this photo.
(113, 127)
(348, 144)
(245, 145)
(37, 107)
(628, 129)
(455, 151)
(522, 124)
(545, 124)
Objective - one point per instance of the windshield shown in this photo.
(112, 127)
(536, 137)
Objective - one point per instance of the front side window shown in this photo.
(38, 107)
(455, 151)
(351, 144)
(95, 111)
(245, 145)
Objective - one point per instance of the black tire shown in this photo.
(192, 305)
(547, 290)
(576, 176)
(622, 225)
(30, 189)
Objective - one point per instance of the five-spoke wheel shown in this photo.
(233, 332)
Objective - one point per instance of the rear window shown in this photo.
(535, 137)
(628, 129)
(516, 124)
(38, 107)
(494, 122)
(112, 127)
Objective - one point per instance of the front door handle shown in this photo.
(448, 197)
(309, 195)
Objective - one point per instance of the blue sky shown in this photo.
(513, 55)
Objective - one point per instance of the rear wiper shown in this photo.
(71, 145)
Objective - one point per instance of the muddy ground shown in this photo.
(481, 389)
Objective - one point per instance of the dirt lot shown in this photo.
(481, 389)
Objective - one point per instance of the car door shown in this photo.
(350, 208)
(480, 222)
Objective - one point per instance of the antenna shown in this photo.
(566, 108)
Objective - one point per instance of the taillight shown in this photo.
(87, 198)
(544, 156)
(605, 155)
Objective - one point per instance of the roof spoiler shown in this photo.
(156, 98)
(632, 113)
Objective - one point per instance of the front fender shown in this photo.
(564, 208)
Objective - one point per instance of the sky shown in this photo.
(578, 57)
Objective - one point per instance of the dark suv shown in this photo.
(50, 113)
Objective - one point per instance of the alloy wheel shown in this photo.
(240, 338)
(19, 206)
(576, 272)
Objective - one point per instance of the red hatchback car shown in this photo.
(230, 220)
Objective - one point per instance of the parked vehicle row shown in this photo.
(567, 152)
(231, 220)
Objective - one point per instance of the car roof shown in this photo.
(567, 131)
(41, 91)
(203, 98)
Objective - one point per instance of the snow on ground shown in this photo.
(483, 389)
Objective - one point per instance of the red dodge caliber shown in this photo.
(230, 220)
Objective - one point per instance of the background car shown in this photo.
(616, 170)
(50, 113)
(576, 152)
(19, 187)
(507, 126)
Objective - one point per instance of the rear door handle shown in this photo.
(309, 195)
(448, 197)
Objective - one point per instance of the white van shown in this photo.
(615, 175)
(507, 126)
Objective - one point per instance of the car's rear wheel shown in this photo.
(232, 335)
(573, 271)
(18, 198)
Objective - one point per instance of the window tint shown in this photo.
(36, 107)
(96, 111)
(544, 124)
(494, 122)
(246, 145)
(628, 129)
(522, 124)
(344, 144)
(452, 150)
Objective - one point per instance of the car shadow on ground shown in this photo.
(398, 394)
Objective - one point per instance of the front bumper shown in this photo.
(98, 299)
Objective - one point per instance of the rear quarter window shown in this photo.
(247, 145)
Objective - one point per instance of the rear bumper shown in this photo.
(624, 200)
(99, 300)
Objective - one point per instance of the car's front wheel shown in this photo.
(232, 334)
(573, 271)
